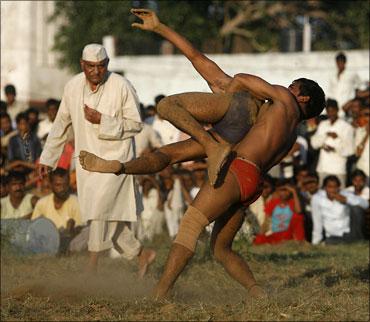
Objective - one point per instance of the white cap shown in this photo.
(94, 53)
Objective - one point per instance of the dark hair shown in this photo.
(16, 175)
(32, 110)
(314, 175)
(3, 106)
(158, 98)
(4, 180)
(332, 103)
(10, 89)
(331, 178)
(316, 104)
(21, 116)
(5, 115)
(358, 173)
(52, 102)
(282, 182)
(58, 172)
(341, 57)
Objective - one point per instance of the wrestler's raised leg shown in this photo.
(187, 110)
(212, 203)
(222, 237)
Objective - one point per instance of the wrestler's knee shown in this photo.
(165, 105)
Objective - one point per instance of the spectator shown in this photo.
(33, 119)
(343, 85)
(3, 107)
(150, 114)
(7, 131)
(151, 218)
(14, 107)
(286, 218)
(331, 213)
(52, 106)
(28, 149)
(4, 186)
(147, 140)
(362, 141)
(60, 207)
(335, 139)
(358, 186)
(18, 204)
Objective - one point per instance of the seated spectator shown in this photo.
(33, 119)
(24, 146)
(331, 213)
(335, 139)
(61, 207)
(286, 218)
(52, 106)
(6, 131)
(18, 203)
(358, 186)
(308, 187)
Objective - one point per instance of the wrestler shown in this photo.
(231, 110)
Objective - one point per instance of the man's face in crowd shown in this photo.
(332, 113)
(52, 112)
(331, 188)
(341, 65)
(267, 189)
(16, 188)
(23, 126)
(358, 182)
(60, 186)
(283, 193)
(33, 118)
(10, 98)
(5, 124)
(95, 71)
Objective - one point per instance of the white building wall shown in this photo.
(28, 62)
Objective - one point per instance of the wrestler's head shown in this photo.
(309, 95)
(94, 63)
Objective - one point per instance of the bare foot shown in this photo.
(146, 257)
(257, 292)
(93, 163)
(216, 158)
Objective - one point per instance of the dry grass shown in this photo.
(305, 283)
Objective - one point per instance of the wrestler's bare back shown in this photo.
(273, 134)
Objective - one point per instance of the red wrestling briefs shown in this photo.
(249, 179)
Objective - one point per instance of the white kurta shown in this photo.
(101, 196)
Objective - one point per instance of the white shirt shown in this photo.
(167, 132)
(365, 193)
(344, 145)
(342, 89)
(147, 138)
(332, 215)
(44, 128)
(9, 212)
(101, 196)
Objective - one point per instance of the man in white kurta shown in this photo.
(102, 109)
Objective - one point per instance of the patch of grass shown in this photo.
(305, 282)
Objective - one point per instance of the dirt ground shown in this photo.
(305, 283)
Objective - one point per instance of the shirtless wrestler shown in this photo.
(231, 110)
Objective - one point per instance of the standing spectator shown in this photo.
(52, 106)
(286, 216)
(331, 213)
(362, 141)
(14, 107)
(3, 107)
(102, 108)
(343, 85)
(6, 131)
(24, 146)
(335, 139)
(18, 203)
(33, 119)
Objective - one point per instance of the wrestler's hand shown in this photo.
(149, 18)
(93, 116)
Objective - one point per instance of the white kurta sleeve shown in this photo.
(127, 124)
(318, 139)
(57, 136)
(317, 220)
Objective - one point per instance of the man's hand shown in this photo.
(43, 170)
(332, 135)
(149, 18)
(93, 116)
(328, 148)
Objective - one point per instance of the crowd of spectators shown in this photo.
(319, 193)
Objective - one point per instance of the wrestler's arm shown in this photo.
(259, 87)
(217, 80)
